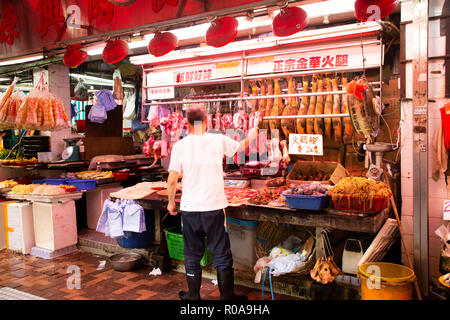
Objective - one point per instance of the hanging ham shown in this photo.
(303, 110)
(269, 106)
(348, 126)
(277, 109)
(312, 107)
(291, 109)
(337, 124)
(328, 108)
(318, 122)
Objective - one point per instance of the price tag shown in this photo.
(447, 210)
(306, 144)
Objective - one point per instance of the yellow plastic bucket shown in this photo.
(386, 281)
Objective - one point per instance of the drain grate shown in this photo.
(13, 294)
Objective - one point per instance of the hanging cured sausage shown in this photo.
(318, 122)
(301, 123)
(291, 109)
(312, 107)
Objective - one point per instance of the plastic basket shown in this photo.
(82, 184)
(55, 182)
(120, 176)
(175, 244)
(350, 203)
(307, 202)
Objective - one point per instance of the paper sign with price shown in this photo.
(447, 210)
(306, 144)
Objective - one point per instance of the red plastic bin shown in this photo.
(120, 176)
(353, 204)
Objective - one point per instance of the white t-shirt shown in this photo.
(201, 157)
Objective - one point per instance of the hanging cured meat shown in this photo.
(277, 109)
(303, 110)
(263, 104)
(312, 107)
(255, 102)
(337, 124)
(318, 122)
(348, 127)
(291, 109)
(269, 105)
(328, 108)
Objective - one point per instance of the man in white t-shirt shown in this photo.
(199, 159)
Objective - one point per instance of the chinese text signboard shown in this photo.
(160, 93)
(306, 144)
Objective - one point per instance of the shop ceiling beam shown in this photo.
(23, 67)
(162, 25)
(420, 141)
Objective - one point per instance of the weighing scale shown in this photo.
(72, 152)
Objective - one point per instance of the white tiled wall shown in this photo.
(438, 191)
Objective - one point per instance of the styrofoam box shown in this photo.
(20, 220)
(242, 241)
(94, 203)
(55, 225)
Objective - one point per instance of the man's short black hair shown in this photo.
(196, 113)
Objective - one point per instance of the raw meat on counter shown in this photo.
(276, 182)
(236, 196)
(267, 195)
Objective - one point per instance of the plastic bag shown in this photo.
(118, 90)
(81, 92)
(130, 109)
(97, 114)
(106, 99)
(286, 264)
(5, 98)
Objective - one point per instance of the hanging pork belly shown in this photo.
(318, 122)
(328, 107)
(312, 107)
(291, 109)
(337, 124)
(303, 110)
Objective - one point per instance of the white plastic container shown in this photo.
(19, 227)
(94, 202)
(55, 225)
(353, 252)
(242, 234)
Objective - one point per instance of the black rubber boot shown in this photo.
(194, 281)
(225, 280)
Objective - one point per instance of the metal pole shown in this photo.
(420, 141)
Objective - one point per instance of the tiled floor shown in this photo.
(49, 279)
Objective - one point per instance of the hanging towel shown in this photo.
(440, 154)
(106, 99)
(97, 114)
(130, 108)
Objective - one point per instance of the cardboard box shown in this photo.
(311, 168)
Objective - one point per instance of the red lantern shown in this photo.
(74, 56)
(372, 10)
(162, 43)
(115, 51)
(222, 31)
(289, 21)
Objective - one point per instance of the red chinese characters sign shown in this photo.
(44, 23)
(306, 144)
(315, 62)
(194, 76)
(8, 24)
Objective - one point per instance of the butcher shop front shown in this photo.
(318, 203)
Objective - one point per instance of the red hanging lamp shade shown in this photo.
(162, 43)
(115, 51)
(222, 31)
(74, 56)
(289, 21)
(372, 10)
